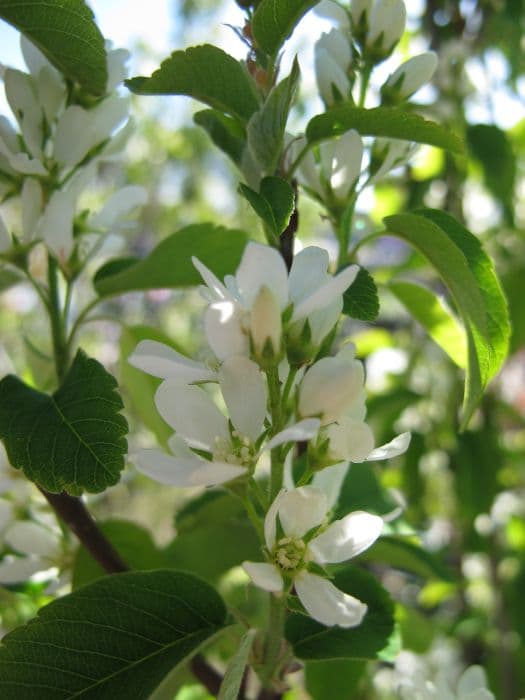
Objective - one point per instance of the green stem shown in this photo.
(364, 241)
(365, 79)
(254, 518)
(58, 332)
(274, 636)
(344, 230)
(277, 464)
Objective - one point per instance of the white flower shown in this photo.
(266, 326)
(386, 24)
(38, 545)
(296, 514)
(411, 75)
(359, 11)
(334, 11)
(162, 361)
(333, 59)
(200, 425)
(315, 295)
(388, 154)
(472, 685)
(338, 169)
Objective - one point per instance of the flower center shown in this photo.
(239, 450)
(289, 554)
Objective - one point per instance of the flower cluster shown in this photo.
(54, 157)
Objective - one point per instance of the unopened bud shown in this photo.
(333, 59)
(409, 77)
(341, 163)
(385, 27)
(266, 327)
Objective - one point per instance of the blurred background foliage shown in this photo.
(464, 493)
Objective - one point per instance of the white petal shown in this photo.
(6, 513)
(350, 440)
(416, 72)
(223, 325)
(120, 205)
(327, 604)
(333, 10)
(330, 75)
(298, 432)
(30, 538)
(31, 206)
(330, 481)
(191, 412)
(347, 163)
(388, 18)
(474, 678)
(270, 520)
(323, 320)
(337, 44)
(261, 265)
(265, 576)
(16, 569)
(346, 538)
(33, 57)
(397, 446)
(308, 272)
(8, 137)
(117, 71)
(72, 137)
(185, 472)
(20, 93)
(5, 238)
(26, 165)
(265, 322)
(308, 168)
(51, 92)
(162, 361)
(56, 224)
(323, 296)
(301, 510)
(244, 393)
(214, 284)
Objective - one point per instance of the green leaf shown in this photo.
(65, 31)
(274, 20)
(274, 203)
(267, 127)
(134, 544)
(205, 73)
(115, 638)
(232, 680)
(311, 640)
(8, 278)
(335, 679)
(213, 523)
(491, 147)
(139, 387)
(387, 122)
(225, 132)
(429, 310)
(514, 285)
(361, 299)
(361, 490)
(400, 553)
(72, 440)
(169, 265)
(468, 273)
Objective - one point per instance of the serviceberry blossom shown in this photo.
(471, 685)
(333, 60)
(409, 77)
(296, 536)
(209, 447)
(262, 301)
(37, 548)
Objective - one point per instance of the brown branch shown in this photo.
(206, 674)
(286, 240)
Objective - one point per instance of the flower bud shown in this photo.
(409, 77)
(266, 327)
(359, 12)
(341, 163)
(334, 11)
(333, 59)
(385, 27)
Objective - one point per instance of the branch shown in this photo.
(286, 240)
(206, 674)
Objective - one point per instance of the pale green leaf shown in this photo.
(274, 21)
(232, 680)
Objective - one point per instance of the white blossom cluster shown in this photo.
(266, 322)
(53, 156)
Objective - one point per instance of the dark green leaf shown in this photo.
(468, 272)
(311, 640)
(72, 440)
(274, 21)
(65, 31)
(267, 127)
(361, 299)
(134, 544)
(205, 73)
(442, 326)
(387, 122)
(491, 147)
(514, 286)
(115, 638)
(274, 203)
(335, 679)
(361, 490)
(232, 680)
(225, 132)
(400, 553)
(169, 265)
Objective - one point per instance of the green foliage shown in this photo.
(361, 490)
(169, 265)
(225, 132)
(73, 440)
(205, 73)
(65, 31)
(387, 122)
(233, 676)
(133, 543)
(401, 553)
(274, 21)
(491, 147)
(117, 637)
(436, 319)
(274, 203)
(361, 299)
(266, 127)
(469, 274)
(311, 640)
(335, 679)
